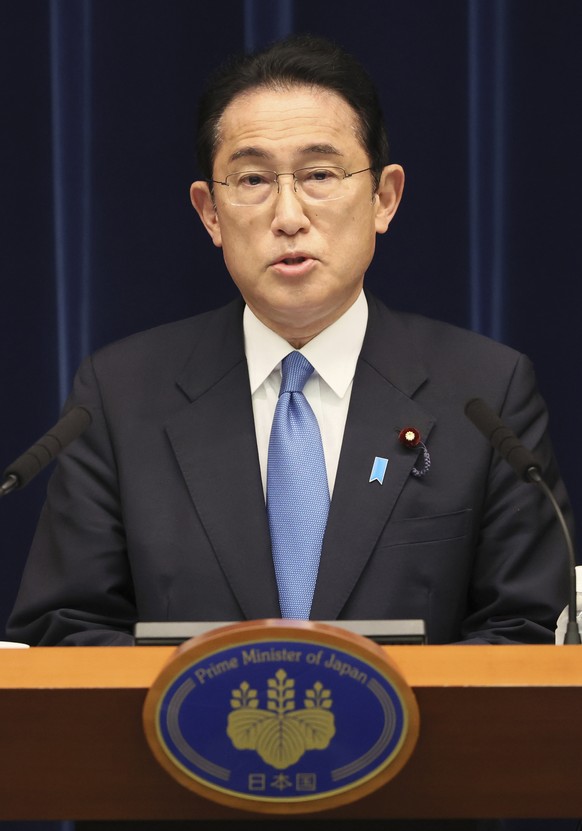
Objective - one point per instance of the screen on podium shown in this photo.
(384, 632)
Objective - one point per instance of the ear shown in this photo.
(388, 196)
(203, 202)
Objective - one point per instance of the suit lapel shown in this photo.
(213, 438)
(387, 375)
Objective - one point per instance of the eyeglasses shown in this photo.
(314, 184)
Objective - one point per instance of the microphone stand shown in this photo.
(572, 634)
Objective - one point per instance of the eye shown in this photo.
(252, 180)
(320, 174)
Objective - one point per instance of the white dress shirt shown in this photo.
(333, 354)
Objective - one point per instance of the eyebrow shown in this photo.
(249, 152)
(309, 150)
(321, 149)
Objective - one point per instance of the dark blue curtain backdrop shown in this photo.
(482, 100)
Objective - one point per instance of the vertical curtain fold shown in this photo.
(487, 152)
(70, 68)
(266, 20)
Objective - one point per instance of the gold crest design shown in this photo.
(281, 734)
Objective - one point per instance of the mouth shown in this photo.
(294, 259)
(295, 266)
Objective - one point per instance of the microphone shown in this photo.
(37, 457)
(504, 440)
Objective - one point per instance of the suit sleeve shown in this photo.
(520, 574)
(77, 586)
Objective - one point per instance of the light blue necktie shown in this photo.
(297, 491)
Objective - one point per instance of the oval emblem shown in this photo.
(281, 716)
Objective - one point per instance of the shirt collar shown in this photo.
(333, 353)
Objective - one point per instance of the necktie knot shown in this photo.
(296, 369)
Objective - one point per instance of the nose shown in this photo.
(290, 217)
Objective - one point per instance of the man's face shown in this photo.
(299, 265)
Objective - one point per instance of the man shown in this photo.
(166, 508)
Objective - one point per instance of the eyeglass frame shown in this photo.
(295, 180)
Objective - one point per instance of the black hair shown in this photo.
(298, 60)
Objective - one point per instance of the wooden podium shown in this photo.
(500, 736)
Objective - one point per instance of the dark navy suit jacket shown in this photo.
(158, 513)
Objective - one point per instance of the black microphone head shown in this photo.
(37, 457)
(482, 416)
(502, 438)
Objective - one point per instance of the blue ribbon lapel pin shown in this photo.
(378, 470)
